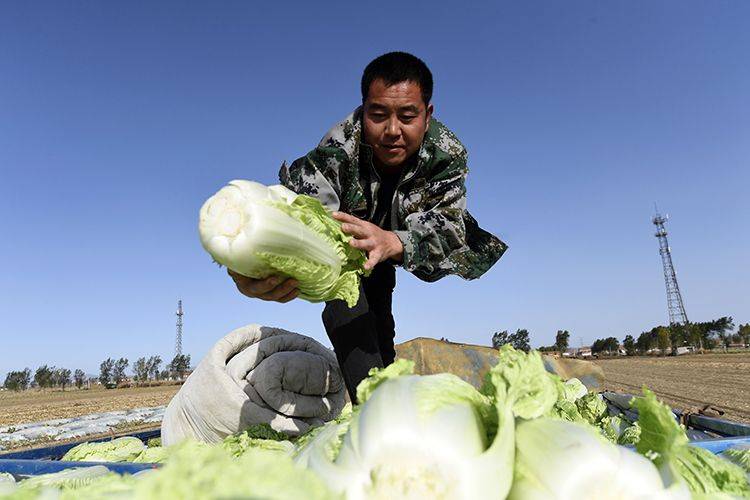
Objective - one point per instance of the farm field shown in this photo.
(33, 405)
(691, 381)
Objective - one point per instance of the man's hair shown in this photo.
(397, 67)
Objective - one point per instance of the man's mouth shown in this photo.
(391, 148)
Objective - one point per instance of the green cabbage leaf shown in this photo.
(592, 408)
(666, 444)
(740, 455)
(630, 435)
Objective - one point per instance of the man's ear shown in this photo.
(428, 115)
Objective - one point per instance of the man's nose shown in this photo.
(393, 128)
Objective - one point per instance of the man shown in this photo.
(394, 176)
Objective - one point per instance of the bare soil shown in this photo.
(689, 381)
(35, 405)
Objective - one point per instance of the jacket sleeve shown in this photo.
(444, 238)
(312, 175)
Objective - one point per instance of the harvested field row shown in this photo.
(34, 405)
(722, 380)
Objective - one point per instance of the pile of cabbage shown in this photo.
(525, 435)
(259, 231)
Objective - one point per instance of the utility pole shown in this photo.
(178, 340)
(675, 305)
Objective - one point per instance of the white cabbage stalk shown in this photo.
(418, 437)
(258, 231)
(563, 460)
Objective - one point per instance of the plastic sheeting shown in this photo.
(70, 428)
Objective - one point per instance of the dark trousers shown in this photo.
(362, 336)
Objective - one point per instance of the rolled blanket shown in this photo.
(255, 375)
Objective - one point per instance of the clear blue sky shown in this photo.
(117, 120)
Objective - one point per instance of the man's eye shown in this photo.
(407, 118)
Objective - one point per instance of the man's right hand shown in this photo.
(273, 288)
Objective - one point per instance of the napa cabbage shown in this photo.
(520, 381)
(575, 404)
(417, 437)
(666, 444)
(7, 484)
(52, 484)
(258, 231)
(611, 427)
(153, 455)
(630, 435)
(202, 471)
(573, 389)
(563, 460)
(326, 439)
(740, 455)
(568, 392)
(258, 436)
(124, 449)
(592, 408)
(238, 444)
(432, 436)
(565, 410)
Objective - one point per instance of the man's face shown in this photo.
(395, 120)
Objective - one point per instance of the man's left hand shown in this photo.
(379, 244)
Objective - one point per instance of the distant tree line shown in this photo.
(45, 377)
(18, 380)
(112, 372)
(665, 339)
(609, 345)
(521, 340)
(562, 342)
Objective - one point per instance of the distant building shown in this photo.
(578, 352)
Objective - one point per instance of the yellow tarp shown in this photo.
(472, 362)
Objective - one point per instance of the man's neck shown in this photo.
(392, 170)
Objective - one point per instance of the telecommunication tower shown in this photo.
(178, 341)
(676, 307)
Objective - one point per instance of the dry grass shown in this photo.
(721, 380)
(34, 405)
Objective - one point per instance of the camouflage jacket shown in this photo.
(428, 214)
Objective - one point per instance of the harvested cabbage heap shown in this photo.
(525, 435)
(575, 404)
(437, 437)
(259, 231)
(193, 471)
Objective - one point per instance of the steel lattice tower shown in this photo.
(178, 341)
(676, 307)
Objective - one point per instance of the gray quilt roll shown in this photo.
(256, 374)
